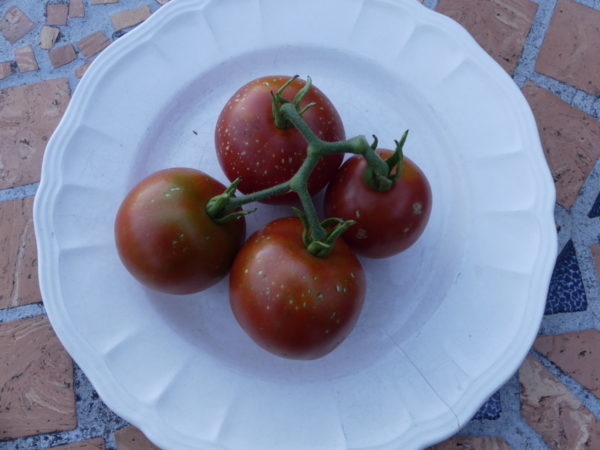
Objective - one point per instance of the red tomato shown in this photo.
(165, 238)
(292, 303)
(250, 146)
(386, 222)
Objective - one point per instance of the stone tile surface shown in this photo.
(57, 13)
(48, 36)
(28, 116)
(59, 56)
(15, 24)
(577, 354)
(472, 443)
(76, 8)
(566, 292)
(131, 438)
(90, 444)
(92, 44)
(499, 26)
(5, 69)
(25, 58)
(36, 380)
(129, 18)
(553, 411)
(595, 249)
(571, 48)
(18, 267)
(571, 141)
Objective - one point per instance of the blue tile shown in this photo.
(595, 211)
(491, 409)
(566, 293)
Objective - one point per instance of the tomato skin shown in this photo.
(290, 302)
(386, 222)
(165, 238)
(250, 146)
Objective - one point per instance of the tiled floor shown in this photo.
(550, 48)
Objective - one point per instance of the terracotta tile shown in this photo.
(472, 442)
(129, 18)
(131, 438)
(553, 411)
(90, 444)
(499, 26)
(103, 2)
(92, 44)
(76, 8)
(28, 116)
(571, 141)
(596, 254)
(48, 36)
(577, 354)
(15, 24)
(18, 265)
(570, 51)
(57, 13)
(25, 57)
(36, 380)
(60, 56)
(5, 69)
(80, 71)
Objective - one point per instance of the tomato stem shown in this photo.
(319, 241)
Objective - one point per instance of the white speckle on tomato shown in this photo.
(417, 208)
(361, 233)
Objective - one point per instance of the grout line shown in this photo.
(587, 399)
(533, 42)
(21, 312)
(18, 192)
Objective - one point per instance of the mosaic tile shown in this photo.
(25, 58)
(59, 56)
(577, 354)
(57, 13)
(131, 438)
(500, 27)
(491, 409)
(90, 444)
(472, 443)
(566, 292)
(595, 211)
(36, 380)
(571, 49)
(553, 411)
(5, 69)
(92, 44)
(15, 24)
(48, 36)
(129, 18)
(76, 8)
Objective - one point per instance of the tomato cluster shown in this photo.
(292, 300)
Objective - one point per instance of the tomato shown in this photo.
(250, 146)
(165, 238)
(292, 303)
(386, 222)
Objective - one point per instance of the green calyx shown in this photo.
(281, 121)
(334, 227)
(217, 206)
(383, 178)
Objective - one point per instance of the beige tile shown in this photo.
(60, 56)
(499, 26)
(76, 8)
(36, 380)
(5, 69)
(577, 354)
(92, 44)
(57, 13)
(28, 116)
(15, 24)
(18, 265)
(472, 443)
(90, 444)
(553, 411)
(131, 17)
(131, 438)
(571, 48)
(25, 58)
(571, 141)
(48, 36)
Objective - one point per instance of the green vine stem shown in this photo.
(225, 206)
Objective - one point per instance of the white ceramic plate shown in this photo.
(444, 324)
